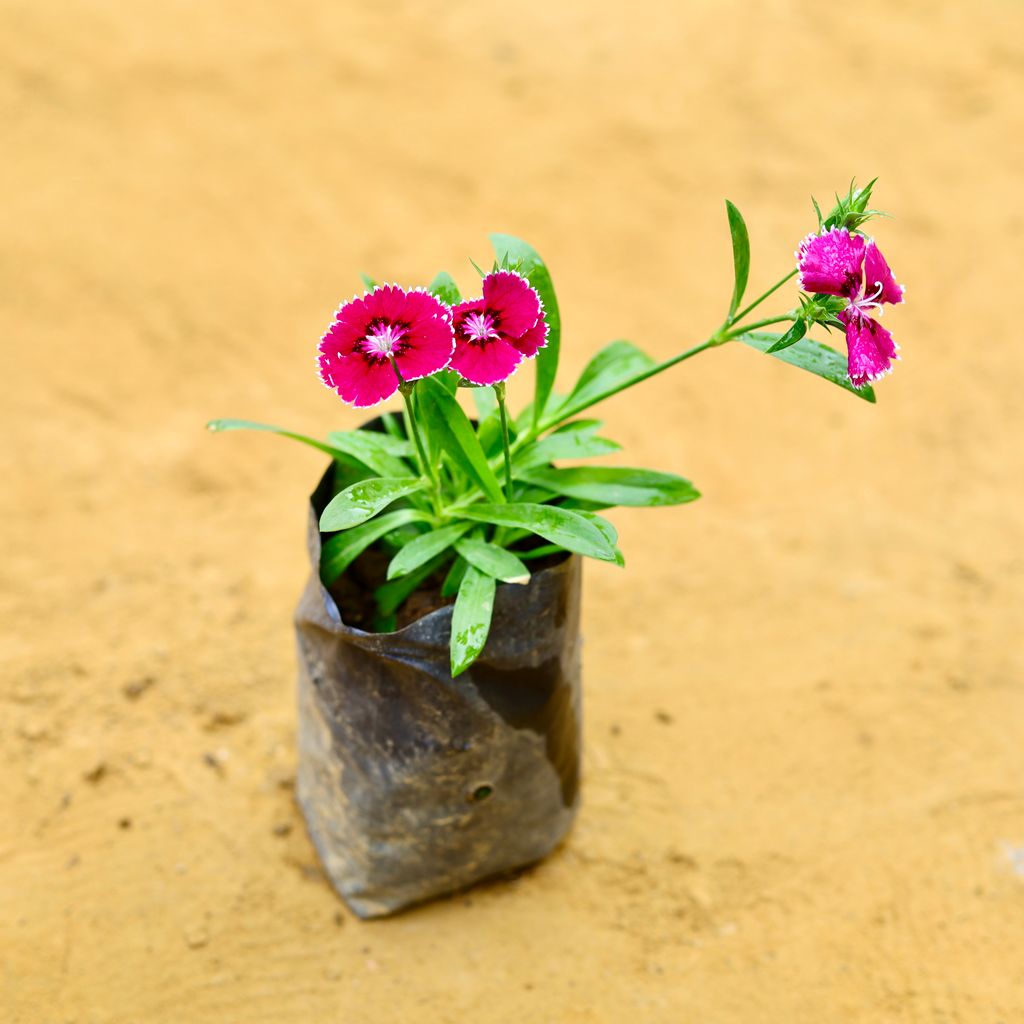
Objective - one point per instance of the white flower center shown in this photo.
(862, 306)
(479, 327)
(383, 337)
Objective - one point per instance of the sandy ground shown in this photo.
(804, 791)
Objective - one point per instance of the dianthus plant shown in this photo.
(471, 504)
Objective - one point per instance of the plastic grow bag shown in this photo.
(414, 784)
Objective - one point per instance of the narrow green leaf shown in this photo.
(424, 548)
(365, 499)
(514, 252)
(615, 367)
(368, 281)
(791, 337)
(449, 425)
(812, 356)
(471, 618)
(610, 534)
(216, 426)
(444, 288)
(571, 444)
(452, 582)
(493, 560)
(485, 401)
(342, 549)
(390, 595)
(614, 486)
(558, 525)
(740, 255)
(377, 451)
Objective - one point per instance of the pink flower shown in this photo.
(386, 333)
(493, 334)
(839, 263)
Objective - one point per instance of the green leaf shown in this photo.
(364, 500)
(514, 252)
(485, 401)
(444, 288)
(471, 618)
(450, 427)
(368, 281)
(791, 337)
(389, 596)
(424, 548)
(812, 356)
(615, 486)
(559, 525)
(216, 426)
(610, 534)
(341, 550)
(493, 560)
(567, 444)
(452, 582)
(740, 255)
(377, 451)
(615, 367)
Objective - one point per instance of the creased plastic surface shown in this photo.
(414, 784)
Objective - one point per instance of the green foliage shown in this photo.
(454, 435)
(614, 486)
(339, 551)
(363, 500)
(471, 618)
(812, 356)
(424, 548)
(561, 526)
(444, 287)
(515, 254)
(493, 560)
(453, 520)
(740, 256)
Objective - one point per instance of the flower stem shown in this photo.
(426, 467)
(757, 302)
(499, 393)
(758, 323)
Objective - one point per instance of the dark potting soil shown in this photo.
(353, 590)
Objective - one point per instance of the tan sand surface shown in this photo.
(804, 791)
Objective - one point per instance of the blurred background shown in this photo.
(804, 791)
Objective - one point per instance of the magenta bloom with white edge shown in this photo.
(843, 264)
(494, 333)
(386, 330)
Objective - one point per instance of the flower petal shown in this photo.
(485, 362)
(533, 340)
(427, 348)
(359, 379)
(878, 277)
(831, 263)
(516, 305)
(870, 349)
